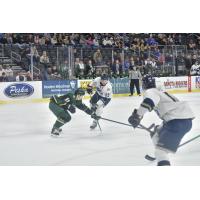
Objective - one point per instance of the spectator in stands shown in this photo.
(126, 66)
(35, 54)
(37, 77)
(89, 41)
(82, 41)
(3, 77)
(65, 71)
(47, 39)
(36, 39)
(28, 76)
(9, 73)
(132, 62)
(107, 42)
(195, 69)
(1, 70)
(151, 41)
(194, 59)
(79, 68)
(89, 69)
(188, 63)
(66, 40)
(54, 72)
(42, 40)
(49, 74)
(9, 38)
(97, 57)
(138, 62)
(71, 40)
(54, 40)
(154, 66)
(134, 80)
(82, 68)
(44, 60)
(95, 42)
(59, 39)
(30, 39)
(117, 68)
(20, 77)
(148, 66)
(191, 45)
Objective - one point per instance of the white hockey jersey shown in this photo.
(195, 70)
(104, 91)
(167, 106)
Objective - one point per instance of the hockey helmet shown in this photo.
(148, 81)
(80, 92)
(104, 77)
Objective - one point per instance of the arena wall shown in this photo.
(35, 91)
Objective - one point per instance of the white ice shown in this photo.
(25, 137)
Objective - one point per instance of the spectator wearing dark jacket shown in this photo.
(117, 68)
(188, 63)
(89, 69)
(3, 77)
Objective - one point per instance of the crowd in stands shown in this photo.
(118, 40)
(128, 50)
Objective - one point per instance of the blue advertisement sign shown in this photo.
(19, 90)
(120, 85)
(50, 88)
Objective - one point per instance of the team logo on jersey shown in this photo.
(19, 90)
(72, 84)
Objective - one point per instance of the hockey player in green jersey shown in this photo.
(63, 105)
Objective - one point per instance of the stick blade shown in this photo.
(150, 158)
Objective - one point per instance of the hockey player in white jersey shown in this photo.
(195, 69)
(176, 115)
(101, 97)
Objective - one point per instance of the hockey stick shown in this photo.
(149, 128)
(99, 126)
(140, 125)
(151, 158)
(115, 121)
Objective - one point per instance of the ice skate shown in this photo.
(93, 125)
(55, 132)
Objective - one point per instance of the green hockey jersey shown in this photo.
(67, 100)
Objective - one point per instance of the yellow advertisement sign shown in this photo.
(84, 83)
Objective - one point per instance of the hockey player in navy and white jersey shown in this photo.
(102, 96)
(195, 69)
(176, 115)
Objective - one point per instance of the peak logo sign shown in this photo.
(19, 90)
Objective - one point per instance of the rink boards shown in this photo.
(39, 91)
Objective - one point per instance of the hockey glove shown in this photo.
(89, 89)
(72, 109)
(94, 116)
(134, 119)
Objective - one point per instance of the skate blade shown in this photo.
(55, 136)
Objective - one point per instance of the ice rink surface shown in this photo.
(25, 137)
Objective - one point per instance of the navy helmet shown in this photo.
(80, 92)
(148, 81)
(104, 77)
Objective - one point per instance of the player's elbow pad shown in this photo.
(148, 104)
